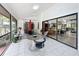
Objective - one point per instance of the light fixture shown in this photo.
(35, 7)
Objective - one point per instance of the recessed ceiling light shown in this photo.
(35, 7)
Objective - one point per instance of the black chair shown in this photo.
(40, 44)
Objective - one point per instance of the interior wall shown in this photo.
(20, 23)
(57, 10)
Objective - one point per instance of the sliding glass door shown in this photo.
(4, 33)
(52, 28)
(13, 27)
(64, 29)
(67, 30)
(7, 25)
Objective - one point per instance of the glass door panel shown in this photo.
(52, 28)
(67, 30)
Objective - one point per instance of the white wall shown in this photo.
(58, 10)
(20, 24)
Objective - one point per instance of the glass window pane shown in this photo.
(4, 33)
(67, 30)
(52, 28)
(4, 25)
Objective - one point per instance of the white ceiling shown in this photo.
(25, 10)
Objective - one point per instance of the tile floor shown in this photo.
(68, 38)
(26, 47)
